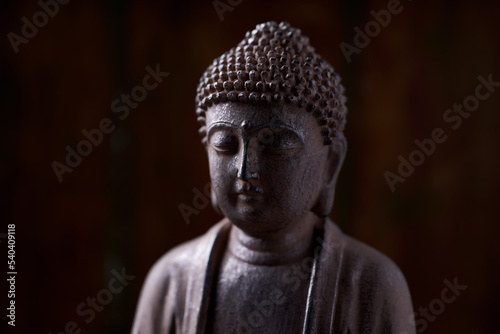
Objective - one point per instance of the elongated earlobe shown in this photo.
(336, 157)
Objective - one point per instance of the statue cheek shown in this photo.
(220, 166)
(306, 180)
(222, 177)
(283, 178)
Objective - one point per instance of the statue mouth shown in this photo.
(250, 198)
(248, 188)
(249, 193)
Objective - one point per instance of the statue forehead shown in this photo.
(253, 115)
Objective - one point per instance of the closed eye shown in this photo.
(274, 139)
(224, 141)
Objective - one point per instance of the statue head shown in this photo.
(272, 114)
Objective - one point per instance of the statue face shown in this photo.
(268, 164)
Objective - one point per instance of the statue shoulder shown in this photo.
(371, 264)
(371, 278)
(164, 290)
(360, 258)
(184, 257)
(173, 263)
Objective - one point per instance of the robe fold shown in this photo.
(352, 289)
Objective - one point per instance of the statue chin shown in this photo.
(256, 222)
(262, 221)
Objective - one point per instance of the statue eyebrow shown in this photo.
(241, 129)
(221, 125)
(281, 125)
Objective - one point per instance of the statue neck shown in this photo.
(275, 249)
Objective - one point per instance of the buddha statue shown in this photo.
(272, 115)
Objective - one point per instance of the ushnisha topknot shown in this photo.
(274, 63)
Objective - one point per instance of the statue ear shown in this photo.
(336, 154)
(204, 143)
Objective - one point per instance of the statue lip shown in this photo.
(248, 192)
(250, 198)
(245, 188)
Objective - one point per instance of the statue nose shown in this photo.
(247, 162)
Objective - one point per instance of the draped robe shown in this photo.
(352, 288)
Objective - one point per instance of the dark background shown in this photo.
(119, 207)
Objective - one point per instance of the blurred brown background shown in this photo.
(119, 207)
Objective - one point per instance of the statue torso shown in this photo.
(202, 287)
(259, 297)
